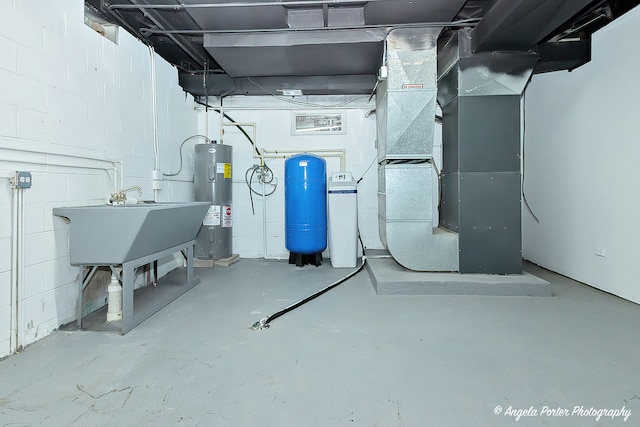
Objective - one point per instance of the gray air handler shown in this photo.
(477, 195)
(213, 184)
(480, 95)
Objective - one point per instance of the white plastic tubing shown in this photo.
(341, 153)
(154, 108)
(154, 112)
(16, 155)
(16, 336)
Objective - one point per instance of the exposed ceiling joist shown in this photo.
(318, 46)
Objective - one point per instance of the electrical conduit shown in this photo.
(16, 321)
(48, 161)
(13, 335)
(20, 271)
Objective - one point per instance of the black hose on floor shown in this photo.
(264, 322)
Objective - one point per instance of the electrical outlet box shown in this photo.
(23, 179)
(600, 252)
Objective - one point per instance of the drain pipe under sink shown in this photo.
(114, 300)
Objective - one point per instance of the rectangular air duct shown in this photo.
(480, 98)
(405, 113)
(297, 53)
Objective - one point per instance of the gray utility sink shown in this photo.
(131, 236)
(112, 235)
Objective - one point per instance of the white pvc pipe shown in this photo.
(221, 122)
(13, 335)
(206, 118)
(154, 117)
(234, 4)
(366, 106)
(251, 124)
(264, 221)
(46, 161)
(264, 228)
(341, 153)
(20, 270)
(154, 109)
(284, 154)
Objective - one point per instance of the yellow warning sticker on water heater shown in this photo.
(227, 170)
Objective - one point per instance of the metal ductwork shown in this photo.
(407, 178)
(480, 96)
(218, 45)
(221, 84)
(299, 53)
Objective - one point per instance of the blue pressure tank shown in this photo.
(305, 204)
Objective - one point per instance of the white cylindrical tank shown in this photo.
(343, 220)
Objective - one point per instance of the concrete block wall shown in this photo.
(273, 119)
(71, 102)
(581, 153)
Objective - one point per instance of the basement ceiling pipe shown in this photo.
(283, 3)
(471, 22)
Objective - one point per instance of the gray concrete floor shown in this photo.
(350, 357)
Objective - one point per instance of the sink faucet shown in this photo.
(120, 196)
